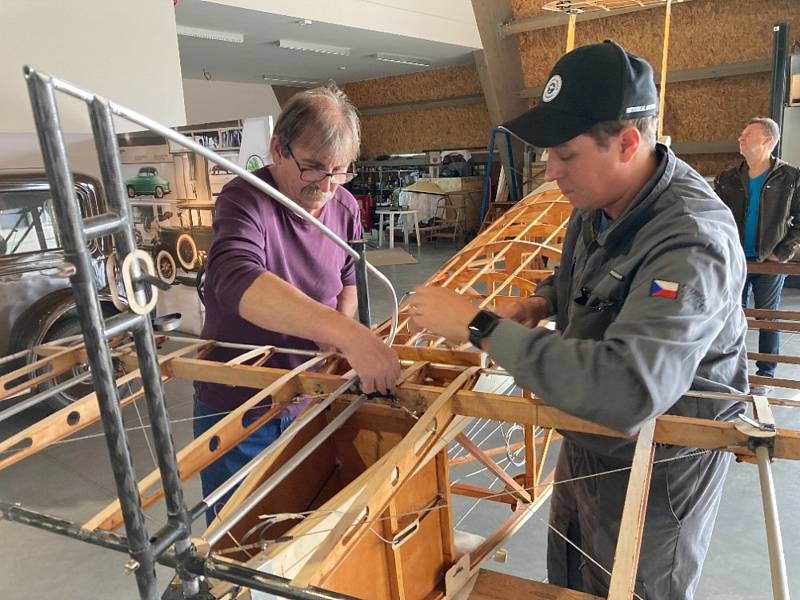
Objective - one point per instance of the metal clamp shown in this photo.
(761, 430)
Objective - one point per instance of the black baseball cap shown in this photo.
(591, 84)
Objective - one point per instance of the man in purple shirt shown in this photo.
(274, 279)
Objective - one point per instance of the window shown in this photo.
(27, 223)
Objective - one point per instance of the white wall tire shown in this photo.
(190, 260)
(166, 267)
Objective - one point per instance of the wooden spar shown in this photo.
(662, 92)
(72, 418)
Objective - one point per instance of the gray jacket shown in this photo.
(779, 207)
(625, 351)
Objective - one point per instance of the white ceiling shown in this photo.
(259, 54)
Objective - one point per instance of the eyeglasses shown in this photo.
(310, 175)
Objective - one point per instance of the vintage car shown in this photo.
(147, 183)
(36, 302)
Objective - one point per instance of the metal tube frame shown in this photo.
(362, 289)
(780, 70)
(209, 567)
(51, 141)
(144, 551)
(777, 560)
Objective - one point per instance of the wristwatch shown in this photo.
(482, 326)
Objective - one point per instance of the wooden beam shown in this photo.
(712, 72)
(499, 64)
(492, 585)
(719, 147)
(629, 540)
(754, 268)
(474, 491)
(510, 483)
(670, 429)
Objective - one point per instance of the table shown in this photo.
(411, 214)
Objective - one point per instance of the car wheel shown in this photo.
(186, 250)
(166, 267)
(66, 327)
(131, 192)
(159, 192)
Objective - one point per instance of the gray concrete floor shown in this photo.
(73, 480)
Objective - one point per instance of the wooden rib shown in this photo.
(469, 458)
(510, 483)
(629, 541)
(474, 491)
(264, 352)
(63, 423)
(778, 358)
(197, 455)
(773, 325)
(761, 313)
(57, 364)
(378, 490)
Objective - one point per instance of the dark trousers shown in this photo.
(234, 459)
(767, 295)
(681, 510)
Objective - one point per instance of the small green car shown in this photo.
(147, 182)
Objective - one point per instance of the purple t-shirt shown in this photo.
(254, 234)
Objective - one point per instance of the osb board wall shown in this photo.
(422, 86)
(703, 33)
(714, 109)
(465, 126)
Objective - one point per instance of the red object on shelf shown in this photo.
(365, 208)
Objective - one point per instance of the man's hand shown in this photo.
(527, 312)
(773, 258)
(441, 311)
(375, 363)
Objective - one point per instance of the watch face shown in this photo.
(483, 323)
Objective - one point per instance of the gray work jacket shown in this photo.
(625, 350)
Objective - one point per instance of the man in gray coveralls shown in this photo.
(647, 307)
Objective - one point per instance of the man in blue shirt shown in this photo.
(763, 194)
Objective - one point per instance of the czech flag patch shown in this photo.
(661, 288)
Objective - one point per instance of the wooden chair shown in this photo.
(450, 217)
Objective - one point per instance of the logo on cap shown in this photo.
(552, 88)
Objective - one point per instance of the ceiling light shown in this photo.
(211, 34)
(403, 60)
(309, 47)
(289, 81)
(303, 22)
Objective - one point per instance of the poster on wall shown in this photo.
(256, 134)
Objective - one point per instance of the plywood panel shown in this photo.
(715, 109)
(414, 131)
(422, 86)
(703, 33)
